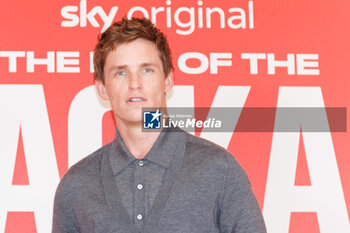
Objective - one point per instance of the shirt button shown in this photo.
(139, 217)
(139, 186)
(141, 163)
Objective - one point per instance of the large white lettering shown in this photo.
(85, 124)
(72, 19)
(325, 194)
(305, 64)
(66, 61)
(216, 60)
(23, 106)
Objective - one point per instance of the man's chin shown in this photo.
(130, 121)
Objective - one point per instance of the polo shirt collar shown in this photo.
(161, 152)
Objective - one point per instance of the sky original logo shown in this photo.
(197, 16)
(151, 119)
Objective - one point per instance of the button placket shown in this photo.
(139, 194)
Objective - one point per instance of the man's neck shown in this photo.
(139, 143)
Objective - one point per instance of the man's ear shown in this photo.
(101, 89)
(169, 82)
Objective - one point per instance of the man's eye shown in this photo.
(121, 73)
(147, 70)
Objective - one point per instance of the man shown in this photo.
(166, 181)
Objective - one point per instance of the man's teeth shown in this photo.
(135, 99)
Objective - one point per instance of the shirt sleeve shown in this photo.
(239, 211)
(64, 220)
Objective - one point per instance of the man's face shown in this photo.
(134, 78)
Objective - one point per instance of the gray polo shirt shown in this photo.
(184, 184)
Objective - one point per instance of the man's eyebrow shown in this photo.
(114, 67)
(147, 64)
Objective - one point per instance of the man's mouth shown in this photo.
(136, 99)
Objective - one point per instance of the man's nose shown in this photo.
(134, 81)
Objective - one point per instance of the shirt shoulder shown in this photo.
(208, 151)
(81, 182)
(85, 173)
(210, 159)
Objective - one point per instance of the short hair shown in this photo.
(125, 31)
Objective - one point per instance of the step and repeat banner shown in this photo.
(248, 54)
